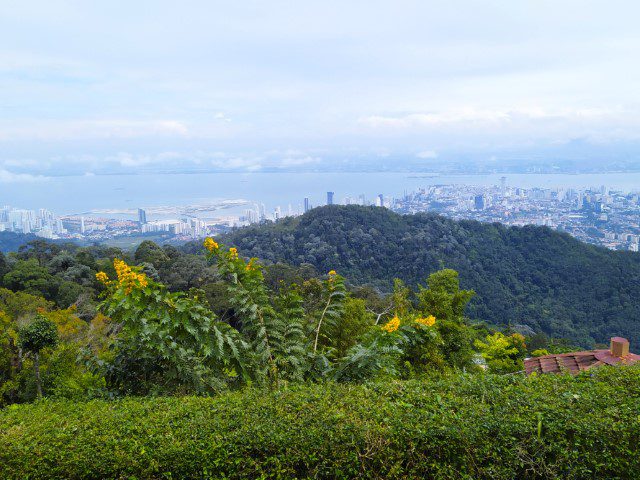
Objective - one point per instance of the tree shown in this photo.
(503, 353)
(187, 271)
(332, 308)
(400, 298)
(354, 322)
(151, 252)
(9, 358)
(29, 276)
(41, 250)
(4, 266)
(61, 262)
(68, 294)
(40, 334)
(443, 299)
(21, 304)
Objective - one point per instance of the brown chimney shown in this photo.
(619, 347)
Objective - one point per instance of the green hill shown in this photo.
(530, 275)
(10, 241)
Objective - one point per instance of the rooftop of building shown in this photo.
(576, 362)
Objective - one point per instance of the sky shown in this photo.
(100, 86)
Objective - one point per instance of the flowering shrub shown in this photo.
(427, 322)
(392, 325)
(173, 342)
(167, 341)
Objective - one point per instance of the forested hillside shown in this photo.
(10, 241)
(532, 276)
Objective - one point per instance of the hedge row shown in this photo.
(463, 426)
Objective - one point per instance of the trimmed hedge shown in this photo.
(462, 426)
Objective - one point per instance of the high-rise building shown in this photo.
(329, 198)
(503, 185)
(82, 227)
(307, 205)
(380, 200)
(479, 202)
(142, 216)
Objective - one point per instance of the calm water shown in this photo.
(79, 194)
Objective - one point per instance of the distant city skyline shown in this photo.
(103, 87)
(597, 215)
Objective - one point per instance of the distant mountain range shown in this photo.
(531, 276)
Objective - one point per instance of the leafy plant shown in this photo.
(41, 333)
(167, 341)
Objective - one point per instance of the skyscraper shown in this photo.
(479, 202)
(307, 206)
(142, 216)
(329, 198)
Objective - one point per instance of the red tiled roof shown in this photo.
(576, 362)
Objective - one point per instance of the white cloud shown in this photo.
(297, 161)
(250, 164)
(93, 129)
(452, 74)
(9, 177)
(481, 116)
(427, 154)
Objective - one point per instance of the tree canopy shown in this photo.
(528, 276)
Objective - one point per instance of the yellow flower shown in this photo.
(250, 265)
(210, 244)
(392, 325)
(127, 278)
(332, 273)
(428, 322)
(233, 252)
(102, 277)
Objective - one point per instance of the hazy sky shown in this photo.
(130, 84)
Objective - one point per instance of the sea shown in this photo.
(124, 194)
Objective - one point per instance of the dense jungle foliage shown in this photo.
(531, 276)
(447, 427)
(201, 324)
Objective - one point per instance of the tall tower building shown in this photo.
(329, 198)
(307, 205)
(142, 216)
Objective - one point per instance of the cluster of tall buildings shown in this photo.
(192, 227)
(42, 222)
(595, 215)
(258, 212)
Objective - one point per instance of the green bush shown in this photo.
(461, 426)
